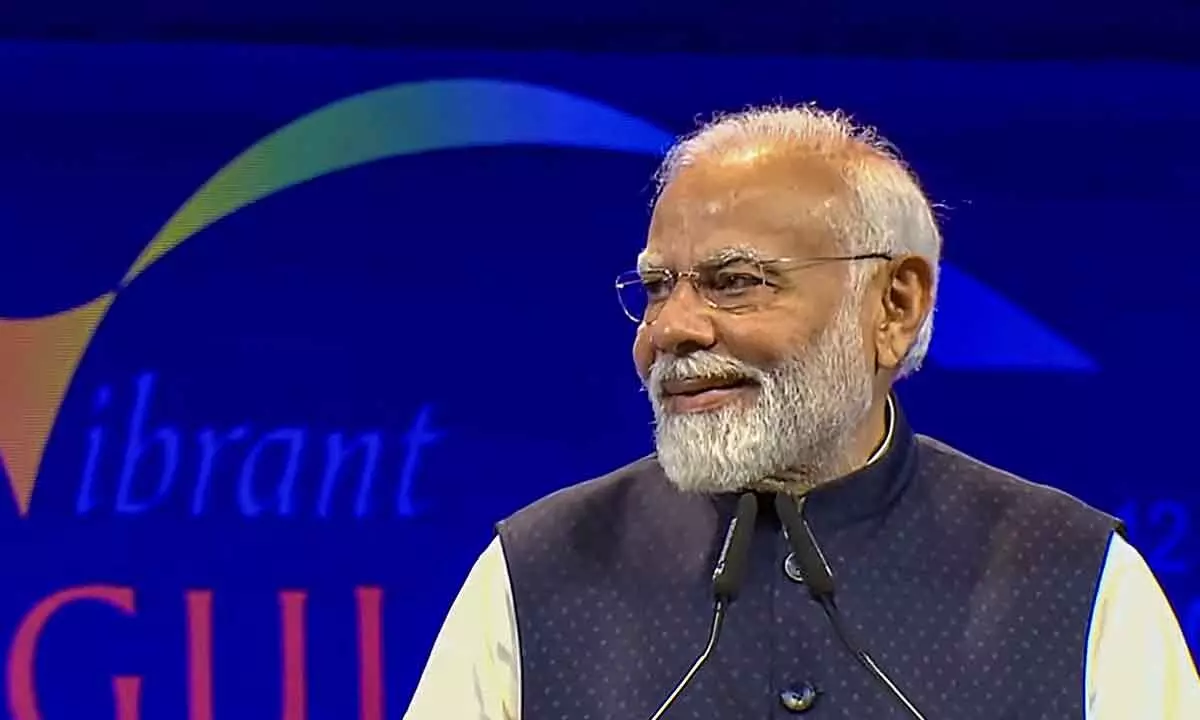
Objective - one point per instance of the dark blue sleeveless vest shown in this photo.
(971, 588)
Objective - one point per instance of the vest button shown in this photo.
(798, 699)
(791, 568)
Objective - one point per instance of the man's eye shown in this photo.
(657, 286)
(733, 282)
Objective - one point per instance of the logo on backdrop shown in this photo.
(977, 328)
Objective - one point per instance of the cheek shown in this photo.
(643, 352)
(763, 352)
(767, 344)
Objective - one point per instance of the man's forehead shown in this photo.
(771, 207)
(757, 173)
(754, 208)
(782, 227)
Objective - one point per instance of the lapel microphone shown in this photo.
(818, 577)
(727, 580)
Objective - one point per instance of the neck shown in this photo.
(856, 449)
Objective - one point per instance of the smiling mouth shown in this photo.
(696, 387)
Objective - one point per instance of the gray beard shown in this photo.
(794, 435)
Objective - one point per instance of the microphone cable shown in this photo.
(727, 579)
(819, 578)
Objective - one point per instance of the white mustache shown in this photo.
(701, 364)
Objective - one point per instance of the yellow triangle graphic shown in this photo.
(38, 357)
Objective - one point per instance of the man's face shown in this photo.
(773, 390)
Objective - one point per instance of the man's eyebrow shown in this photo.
(723, 256)
(728, 255)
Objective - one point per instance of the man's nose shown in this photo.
(683, 323)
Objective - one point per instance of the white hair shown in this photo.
(885, 211)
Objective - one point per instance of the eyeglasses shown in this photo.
(740, 285)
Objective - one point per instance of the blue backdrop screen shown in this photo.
(285, 331)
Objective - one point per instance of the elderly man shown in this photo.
(787, 282)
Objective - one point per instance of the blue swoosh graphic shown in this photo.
(977, 328)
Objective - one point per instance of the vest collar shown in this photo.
(873, 488)
(867, 492)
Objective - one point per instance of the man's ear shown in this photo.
(906, 300)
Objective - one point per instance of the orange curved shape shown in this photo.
(38, 357)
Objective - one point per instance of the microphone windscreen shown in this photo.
(735, 556)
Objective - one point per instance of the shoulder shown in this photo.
(950, 466)
(1007, 499)
(590, 502)
(609, 522)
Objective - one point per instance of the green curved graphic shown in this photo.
(394, 121)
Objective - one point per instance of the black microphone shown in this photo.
(819, 579)
(727, 580)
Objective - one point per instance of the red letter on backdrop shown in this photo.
(370, 653)
(199, 641)
(22, 689)
(295, 655)
(128, 691)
